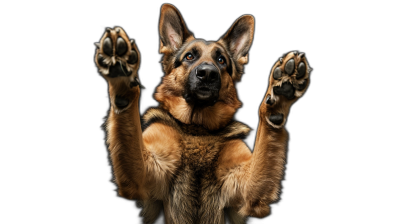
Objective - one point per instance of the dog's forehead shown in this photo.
(204, 46)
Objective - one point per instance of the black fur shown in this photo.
(234, 129)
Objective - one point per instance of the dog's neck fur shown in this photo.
(211, 117)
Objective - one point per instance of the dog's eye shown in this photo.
(189, 56)
(221, 60)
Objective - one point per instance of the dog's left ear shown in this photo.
(173, 29)
(238, 41)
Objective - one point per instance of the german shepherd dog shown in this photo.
(186, 157)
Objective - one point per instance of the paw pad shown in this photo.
(276, 119)
(120, 102)
(289, 77)
(107, 46)
(288, 81)
(301, 70)
(133, 57)
(303, 85)
(289, 67)
(119, 70)
(277, 73)
(286, 90)
(116, 54)
(121, 47)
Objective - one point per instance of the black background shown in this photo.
(323, 171)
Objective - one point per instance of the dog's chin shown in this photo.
(202, 97)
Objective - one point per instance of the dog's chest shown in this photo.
(195, 192)
(200, 153)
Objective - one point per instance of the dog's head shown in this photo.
(199, 82)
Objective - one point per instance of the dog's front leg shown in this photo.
(117, 59)
(288, 81)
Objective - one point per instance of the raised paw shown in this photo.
(289, 79)
(118, 56)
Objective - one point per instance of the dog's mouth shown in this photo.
(202, 96)
(203, 93)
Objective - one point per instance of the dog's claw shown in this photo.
(269, 101)
(140, 84)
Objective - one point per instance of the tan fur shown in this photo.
(125, 145)
(162, 156)
(190, 160)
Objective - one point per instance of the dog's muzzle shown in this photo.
(203, 85)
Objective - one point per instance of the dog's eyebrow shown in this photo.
(185, 47)
(219, 52)
(221, 48)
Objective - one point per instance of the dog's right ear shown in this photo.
(173, 30)
(239, 38)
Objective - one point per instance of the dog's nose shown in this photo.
(207, 73)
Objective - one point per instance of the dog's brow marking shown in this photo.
(219, 44)
(182, 50)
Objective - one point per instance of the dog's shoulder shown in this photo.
(157, 115)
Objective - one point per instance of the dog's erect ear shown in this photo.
(173, 30)
(238, 41)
